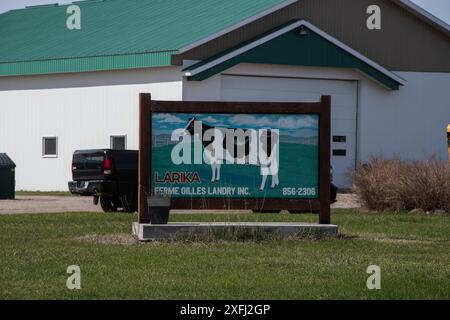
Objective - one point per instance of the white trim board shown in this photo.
(284, 30)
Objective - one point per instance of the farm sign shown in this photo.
(206, 155)
(226, 155)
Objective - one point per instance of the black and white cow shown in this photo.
(256, 147)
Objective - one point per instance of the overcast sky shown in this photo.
(440, 8)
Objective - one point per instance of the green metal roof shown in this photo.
(115, 34)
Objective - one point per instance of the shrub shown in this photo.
(393, 184)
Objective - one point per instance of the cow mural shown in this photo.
(237, 156)
(237, 147)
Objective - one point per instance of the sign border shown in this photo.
(323, 109)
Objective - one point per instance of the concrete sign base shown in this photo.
(179, 231)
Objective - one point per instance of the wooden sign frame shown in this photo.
(322, 109)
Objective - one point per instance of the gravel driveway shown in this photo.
(44, 204)
(51, 204)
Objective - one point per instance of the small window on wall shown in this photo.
(50, 147)
(119, 142)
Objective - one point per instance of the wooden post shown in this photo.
(324, 166)
(144, 155)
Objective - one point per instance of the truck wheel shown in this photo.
(129, 203)
(108, 204)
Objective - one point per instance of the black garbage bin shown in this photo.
(7, 177)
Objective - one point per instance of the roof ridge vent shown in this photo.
(42, 6)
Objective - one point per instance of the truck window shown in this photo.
(88, 160)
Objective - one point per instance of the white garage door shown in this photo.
(343, 109)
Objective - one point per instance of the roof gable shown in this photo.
(404, 43)
(406, 4)
(286, 46)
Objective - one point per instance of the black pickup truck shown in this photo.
(110, 176)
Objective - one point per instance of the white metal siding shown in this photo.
(410, 123)
(82, 110)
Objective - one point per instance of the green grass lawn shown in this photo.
(412, 250)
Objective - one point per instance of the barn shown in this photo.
(385, 64)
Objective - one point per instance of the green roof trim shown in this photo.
(114, 34)
(290, 48)
(87, 64)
